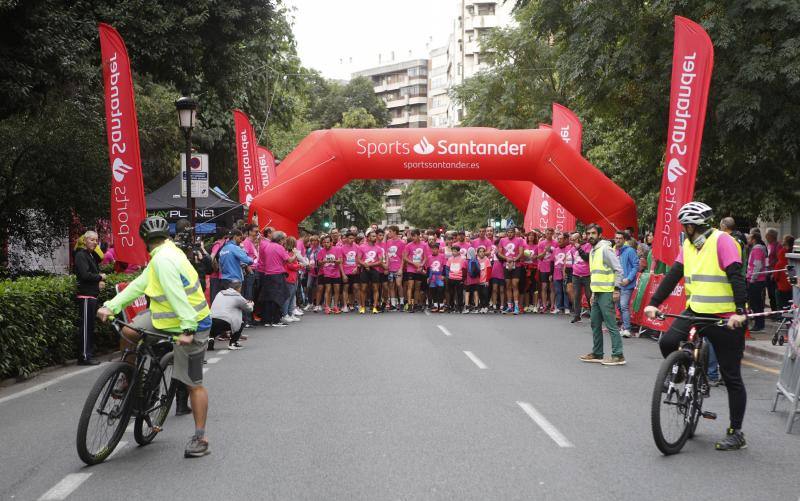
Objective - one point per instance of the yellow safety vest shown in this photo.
(602, 275)
(708, 289)
(162, 313)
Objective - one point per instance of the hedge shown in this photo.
(38, 317)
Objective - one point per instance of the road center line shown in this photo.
(475, 359)
(545, 425)
(213, 360)
(444, 330)
(66, 487)
(53, 381)
(223, 352)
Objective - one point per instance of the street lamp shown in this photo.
(187, 116)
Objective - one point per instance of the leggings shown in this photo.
(483, 294)
(436, 294)
(577, 284)
(219, 326)
(456, 290)
(729, 346)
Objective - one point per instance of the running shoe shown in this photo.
(591, 357)
(733, 441)
(345, 309)
(516, 310)
(336, 310)
(375, 310)
(235, 346)
(362, 310)
(197, 447)
(318, 309)
(298, 312)
(327, 310)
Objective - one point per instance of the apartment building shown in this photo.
(403, 86)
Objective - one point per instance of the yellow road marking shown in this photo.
(761, 367)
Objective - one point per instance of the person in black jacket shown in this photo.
(90, 282)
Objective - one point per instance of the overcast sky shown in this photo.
(338, 37)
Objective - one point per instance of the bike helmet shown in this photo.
(153, 227)
(696, 213)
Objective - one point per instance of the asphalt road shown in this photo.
(395, 407)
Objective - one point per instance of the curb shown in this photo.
(763, 353)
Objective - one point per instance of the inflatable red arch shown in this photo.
(326, 160)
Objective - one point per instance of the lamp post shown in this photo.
(187, 115)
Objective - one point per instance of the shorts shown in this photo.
(544, 276)
(516, 273)
(188, 361)
(393, 276)
(417, 277)
(498, 281)
(355, 278)
(568, 275)
(371, 276)
(471, 288)
(323, 280)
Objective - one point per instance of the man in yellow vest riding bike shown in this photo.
(177, 306)
(710, 264)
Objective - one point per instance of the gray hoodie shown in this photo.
(229, 306)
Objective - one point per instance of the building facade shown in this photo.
(403, 87)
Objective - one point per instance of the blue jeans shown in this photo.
(624, 306)
(562, 297)
(290, 301)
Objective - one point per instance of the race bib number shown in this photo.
(351, 258)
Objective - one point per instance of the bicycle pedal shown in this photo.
(157, 429)
(709, 415)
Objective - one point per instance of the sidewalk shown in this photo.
(761, 344)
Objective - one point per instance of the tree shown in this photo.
(357, 118)
(616, 76)
(454, 204)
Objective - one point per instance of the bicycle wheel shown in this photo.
(105, 413)
(158, 401)
(670, 412)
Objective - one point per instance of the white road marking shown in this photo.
(66, 487)
(475, 359)
(427, 313)
(223, 352)
(53, 381)
(205, 369)
(213, 360)
(545, 425)
(118, 448)
(129, 429)
(444, 330)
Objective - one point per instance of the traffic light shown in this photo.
(326, 224)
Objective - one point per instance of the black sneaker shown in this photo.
(575, 320)
(733, 441)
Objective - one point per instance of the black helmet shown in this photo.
(153, 227)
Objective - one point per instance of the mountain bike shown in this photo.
(144, 390)
(681, 387)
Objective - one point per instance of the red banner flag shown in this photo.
(569, 127)
(266, 167)
(128, 207)
(692, 62)
(249, 175)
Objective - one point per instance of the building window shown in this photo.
(439, 82)
(394, 219)
(417, 72)
(415, 90)
(393, 201)
(486, 9)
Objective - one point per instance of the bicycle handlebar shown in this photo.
(719, 321)
(117, 323)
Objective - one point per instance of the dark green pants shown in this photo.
(603, 311)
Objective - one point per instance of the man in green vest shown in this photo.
(606, 276)
(177, 306)
(710, 264)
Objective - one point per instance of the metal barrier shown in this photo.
(789, 379)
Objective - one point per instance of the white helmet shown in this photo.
(695, 213)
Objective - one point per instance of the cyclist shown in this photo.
(177, 306)
(710, 264)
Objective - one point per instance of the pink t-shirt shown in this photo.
(274, 257)
(486, 268)
(546, 246)
(327, 262)
(757, 263)
(437, 263)
(349, 255)
(580, 267)
(250, 249)
(497, 270)
(483, 242)
(559, 261)
(528, 261)
(372, 254)
(568, 260)
(456, 266)
(418, 254)
(394, 254)
(727, 252)
(462, 247)
(214, 251)
(513, 247)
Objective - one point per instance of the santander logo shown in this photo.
(675, 170)
(423, 147)
(120, 168)
(545, 209)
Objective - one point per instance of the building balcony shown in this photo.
(392, 209)
(402, 119)
(417, 100)
(394, 103)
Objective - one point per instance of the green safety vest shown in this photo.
(602, 275)
(708, 289)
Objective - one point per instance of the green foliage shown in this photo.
(357, 118)
(38, 318)
(455, 204)
(611, 63)
(362, 199)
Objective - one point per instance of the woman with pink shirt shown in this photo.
(581, 276)
(756, 280)
(273, 291)
(456, 265)
(329, 260)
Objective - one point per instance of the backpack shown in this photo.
(474, 268)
